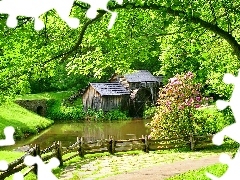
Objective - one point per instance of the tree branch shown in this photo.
(196, 20)
(67, 54)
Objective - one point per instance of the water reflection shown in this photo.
(68, 132)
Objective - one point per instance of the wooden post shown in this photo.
(113, 145)
(146, 144)
(36, 152)
(143, 141)
(192, 143)
(59, 152)
(110, 145)
(80, 147)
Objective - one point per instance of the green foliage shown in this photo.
(58, 111)
(60, 95)
(99, 115)
(210, 120)
(199, 36)
(149, 112)
(116, 115)
(178, 101)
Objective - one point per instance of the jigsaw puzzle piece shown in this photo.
(44, 170)
(231, 131)
(34, 9)
(9, 140)
(232, 172)
(63, 9)
(18, 176)
(100, 4)
(3, 165)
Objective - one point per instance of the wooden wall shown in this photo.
(92, 99)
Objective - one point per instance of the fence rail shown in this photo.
(81, 148)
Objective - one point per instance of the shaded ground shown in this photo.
(167, 170)
(144, 166)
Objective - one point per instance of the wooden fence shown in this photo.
(81, 148)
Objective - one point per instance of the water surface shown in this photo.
(68, 132)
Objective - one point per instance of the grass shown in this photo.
(48, 95)
(10, 156)
(98, 166)
(200, 174)
(25, 122)
(217, 170)
(101, 165)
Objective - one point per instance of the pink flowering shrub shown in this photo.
(177, 103)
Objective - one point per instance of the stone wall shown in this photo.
(37, 106)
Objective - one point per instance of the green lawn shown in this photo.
(200, 174)
(48, 95)
(10, 156)
(25, 122)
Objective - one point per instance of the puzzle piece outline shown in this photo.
(230, 131)
(34, 9)
(43, 170)
(8, 141)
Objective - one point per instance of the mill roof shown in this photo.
(140, 76)
(110, 89)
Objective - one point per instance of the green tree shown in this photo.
(200, 35)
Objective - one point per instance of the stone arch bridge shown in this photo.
(37, 106)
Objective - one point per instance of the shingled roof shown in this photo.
(109, 89)
(140, 76)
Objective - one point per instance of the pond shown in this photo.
(68, 132)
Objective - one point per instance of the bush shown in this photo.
(211, 120)
(57, 111)
(178, 101)
(149, 112)
(116, 115)
(109, 116)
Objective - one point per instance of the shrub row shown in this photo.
(61, 112)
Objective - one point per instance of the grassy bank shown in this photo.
(47, 95)
(25, 122)
(216, 169)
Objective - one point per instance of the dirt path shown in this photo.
(166, 170)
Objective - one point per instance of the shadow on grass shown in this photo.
(20, 128)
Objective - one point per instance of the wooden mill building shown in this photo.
(129, 92)
(106, 96)
(143, 87)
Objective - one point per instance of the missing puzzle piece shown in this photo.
(100, 4)
(8, 132)
(44, 170)
(3, 165)
(35, 9)
(232, 172)
(9, 140)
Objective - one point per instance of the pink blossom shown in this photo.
(181, 107)
(198, 98)
(172, 80)
(197, 105)
(189, 74)
(168, 103)
(191, 100)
